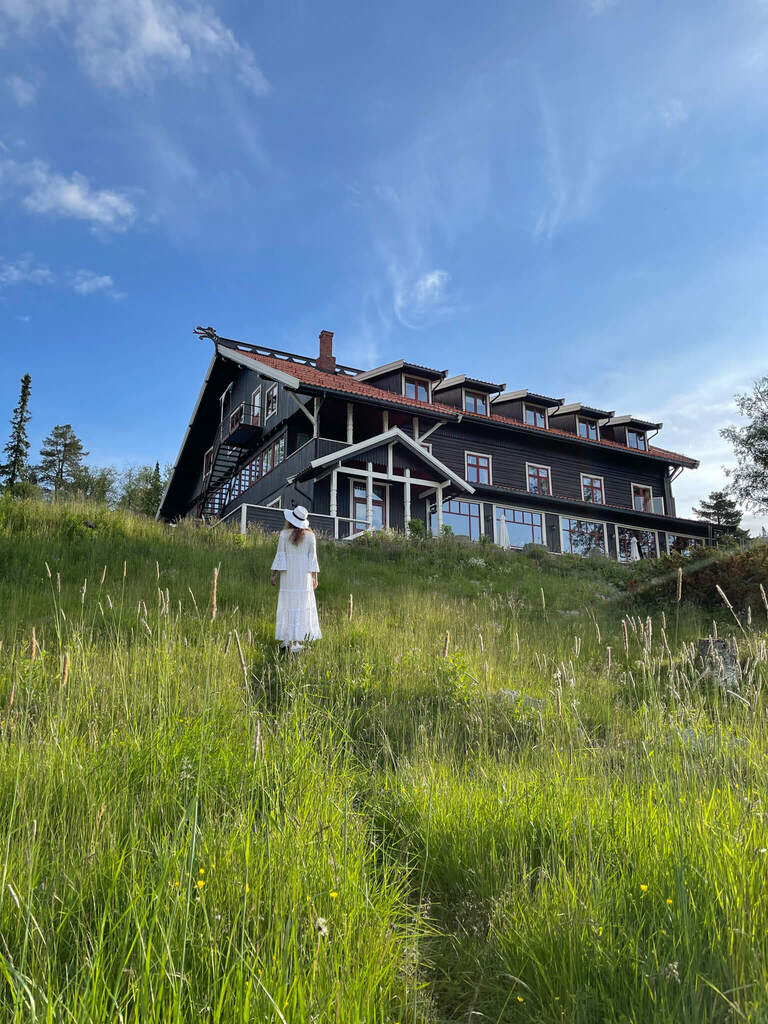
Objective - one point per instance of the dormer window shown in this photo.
(535, 416)
(476, 402)
(416, 387)
(588, 429)
(637, 439)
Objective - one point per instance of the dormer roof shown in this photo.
(400, 365)
(630, 421)
(578, 408)
(463, 381)
(526, 396)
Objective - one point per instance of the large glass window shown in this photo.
(636, 439)
(682, 545)
(539, 480)
(646, 543)
(534, 416)
(256, 407)
(522, 527)
(478, 468)
(475, 402)
(270, 401)
(588, 429)
(207, 462)
(360, 506)
(580, 536)
(642, 498)
(417, 388)
(592, 489)
(463, 517)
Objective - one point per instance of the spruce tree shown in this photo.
(61, 458)
(749, 480)
(15, 470)
(721, 510)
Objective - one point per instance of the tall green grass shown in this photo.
(373, 831)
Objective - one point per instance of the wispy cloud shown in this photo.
(87, 282)
(56, 195)
(24, 270)
(419, 301)
(673, 112)
(124, 44)
(23, 91)
(598, 7)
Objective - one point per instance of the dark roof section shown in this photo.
(577, 407)
(354, 387)
(463, 381)
(525, 395)
(404, 367)
(630, 421)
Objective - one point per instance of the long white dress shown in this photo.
(296, 608)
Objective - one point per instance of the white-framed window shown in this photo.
(647, 543)
(588, 429)
(465, 518)
(534, 415)
(637, 439)
(477, 468)
(680, 544)
(539, 478)
(593, 488)
(270, 401)
(207, 462)
(359, 504)
(476, 402)
(225, 401)
(256, 407)
(236, 417)
(580, 536)
(417, 387)
(523, 526)
(642, 498)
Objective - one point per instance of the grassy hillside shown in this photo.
(196, 829)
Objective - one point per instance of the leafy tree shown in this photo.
(749, 480)
(721, 510)
(61, 459)
(142, 488)
(15, 471)
(95, 483)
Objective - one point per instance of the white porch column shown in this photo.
(316, 424)
(385, 420)
(243, 518)
(416, 428)
(407, 500)
(390, 459)
(439, 493)
(350, 423)
(335, 501)
(369, 496)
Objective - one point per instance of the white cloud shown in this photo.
(24, 271)
(57, 195)
(23, 92)
(673, 112)
(125, 44)
(418, 301)
(87, 282)
(598, 7)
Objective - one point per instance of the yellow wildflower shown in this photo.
(520, 999)
(643, 888)
(333, 894)
(200, 883)
(669, 903)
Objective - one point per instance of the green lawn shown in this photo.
(371, 832)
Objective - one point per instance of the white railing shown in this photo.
(241, 512)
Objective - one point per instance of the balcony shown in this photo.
(241, 428)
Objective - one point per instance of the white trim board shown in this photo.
(538, 465)
(270, 372)
(393, 434)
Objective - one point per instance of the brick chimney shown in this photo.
(326, 360)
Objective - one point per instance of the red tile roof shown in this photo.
(346, 385)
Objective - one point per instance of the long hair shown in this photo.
(297, 533)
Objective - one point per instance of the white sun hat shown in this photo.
(297, 516)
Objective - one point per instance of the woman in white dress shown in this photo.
(295, 567)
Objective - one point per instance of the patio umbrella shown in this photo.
(634, 550)
(502, 533)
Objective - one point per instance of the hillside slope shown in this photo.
(530, 828)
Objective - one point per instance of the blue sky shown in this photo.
(566, 196)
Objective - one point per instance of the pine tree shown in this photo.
(154, 492)
(61, 458)
(16, 469)
(721, 510)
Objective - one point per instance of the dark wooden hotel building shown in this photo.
(373, 449)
